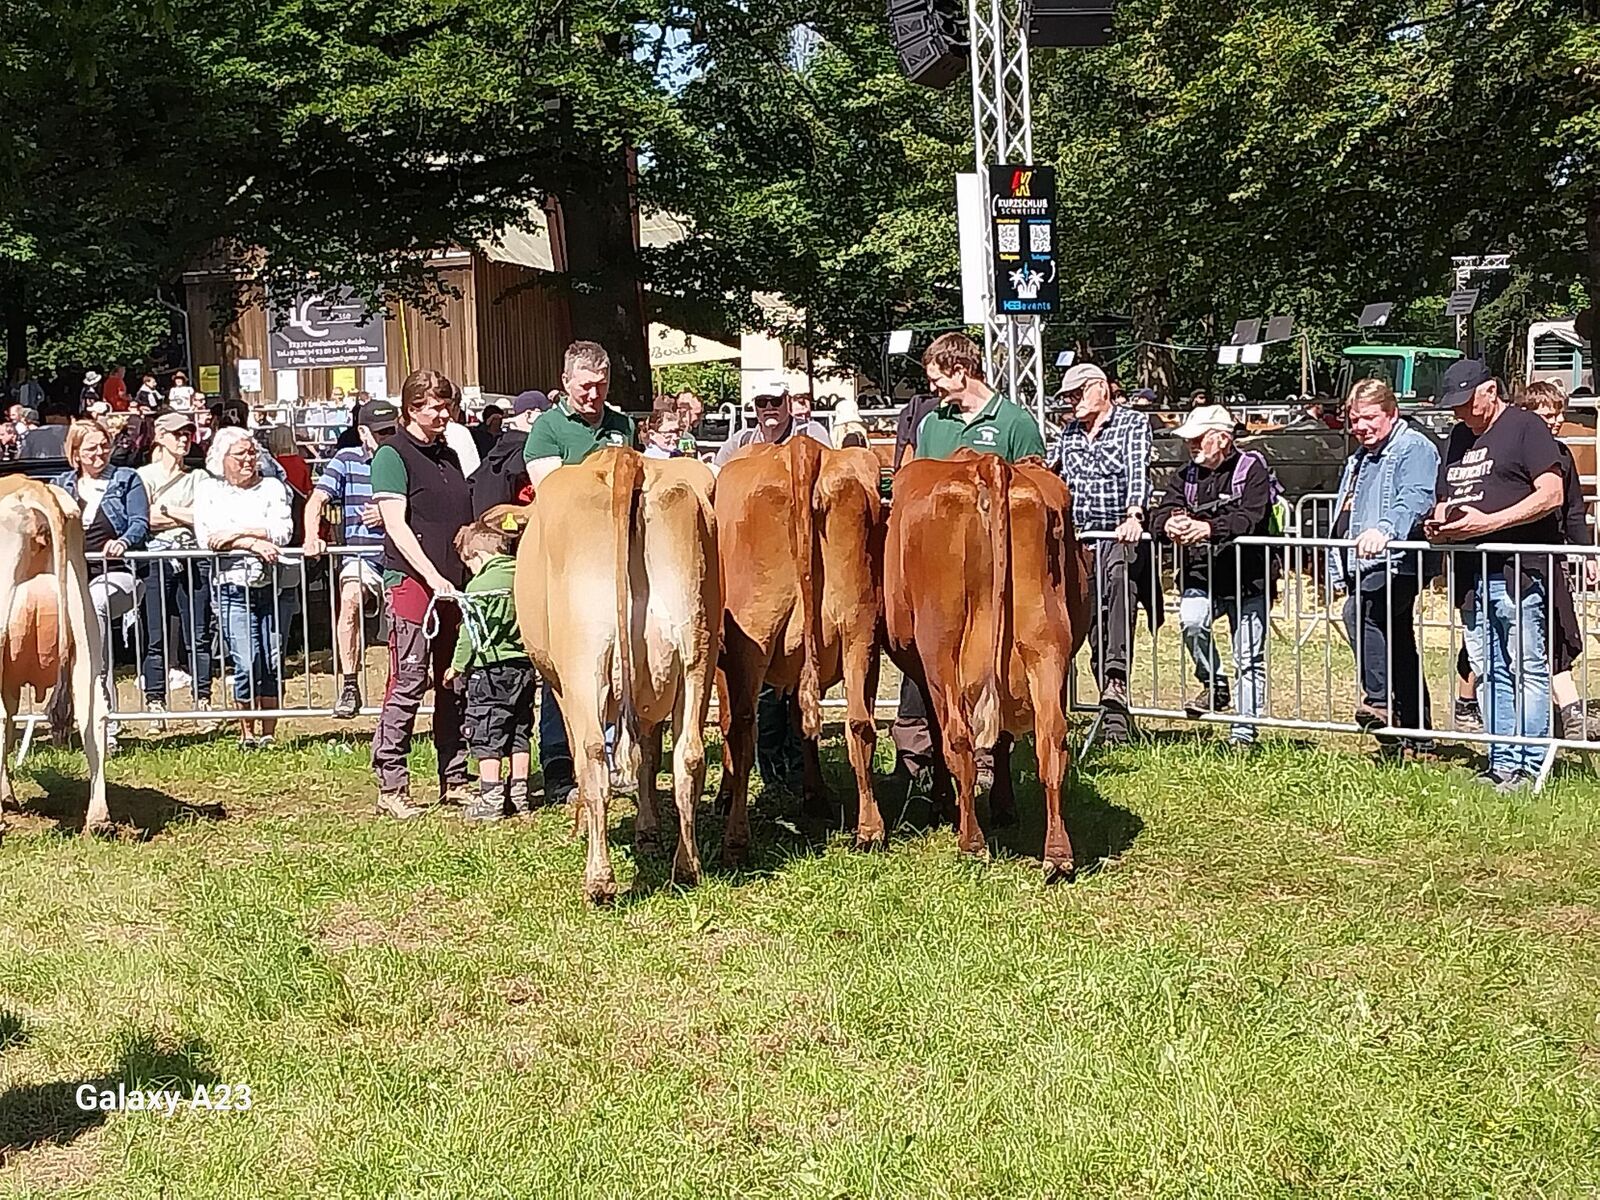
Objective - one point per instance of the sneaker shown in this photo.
(156, 706)
(1574, 722)
(1208, 699)
(266, 742)
(1371, 716)
(1115, 695)
(458, 795)
(521, 798)
(1507, 782)
(487, 805)
(1468, 718)
(398, 805)
(178, 680)
(349, 701)
(206, 724)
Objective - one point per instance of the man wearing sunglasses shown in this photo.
(775, 422)
(1103, 453)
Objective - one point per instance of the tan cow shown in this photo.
(49, 636)
(618, 596)
(987, 602)
(800, 535)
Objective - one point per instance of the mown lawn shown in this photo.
(1293, 972)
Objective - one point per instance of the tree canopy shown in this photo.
(1221, 159)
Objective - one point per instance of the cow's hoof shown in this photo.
(978, 851)
(868, 843)
(1059, 870)
(100, 829)
(600, 891)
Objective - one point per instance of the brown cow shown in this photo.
(618, 597)
(49, 636)
(984, 584)
(800, 536)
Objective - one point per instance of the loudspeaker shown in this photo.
(1059, 23)
(930, 36)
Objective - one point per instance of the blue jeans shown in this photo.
(1506, 644)
(182, 586)
(1248, 620)
(250, 633)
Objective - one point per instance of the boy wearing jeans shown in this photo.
(499, 675)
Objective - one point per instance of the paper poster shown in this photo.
(345, 377)
(249, 374)
(375, 382)
(211, 380)
(288, 387)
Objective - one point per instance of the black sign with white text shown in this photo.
(1022, 220)
(323, 331)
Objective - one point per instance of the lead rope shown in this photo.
(472, 618)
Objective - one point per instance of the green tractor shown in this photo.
(1414, 372)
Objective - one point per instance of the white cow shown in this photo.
(48, 633)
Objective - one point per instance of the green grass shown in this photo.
(1292, 972)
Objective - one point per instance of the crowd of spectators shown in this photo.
(165, 470)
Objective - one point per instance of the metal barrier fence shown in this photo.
(1517, 617)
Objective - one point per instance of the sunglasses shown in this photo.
(771, 401)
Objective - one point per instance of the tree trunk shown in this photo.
(603, 285)
(1154, 362)
(1587, 324)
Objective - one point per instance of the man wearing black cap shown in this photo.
(502, 476)
(1500, 481)
(347, 483)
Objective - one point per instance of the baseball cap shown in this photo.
(379, 416)
(171, 422)
(1203, 420)
(1078, 375)
(530, 401)
(774, 385)
(1462, 378)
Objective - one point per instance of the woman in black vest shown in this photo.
(423, 497)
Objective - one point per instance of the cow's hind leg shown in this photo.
(724, 716)
(10, 703)
(647, 819)
(746, 666)
(90, 704)
(861, 736)
(960, 757)
(594, 793)
(1050, 744)
(688, 775)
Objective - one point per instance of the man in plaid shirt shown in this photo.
(1103, 453)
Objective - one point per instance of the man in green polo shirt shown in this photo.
(583, 422)
(974, 415)
(970, 412)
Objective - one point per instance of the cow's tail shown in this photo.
(805, 462)
(627, 478)
(994, 498)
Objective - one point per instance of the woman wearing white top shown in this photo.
(240, 509)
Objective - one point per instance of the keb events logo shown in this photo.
(1021, 184)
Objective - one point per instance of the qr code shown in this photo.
(1010, 238)
(1039, 238)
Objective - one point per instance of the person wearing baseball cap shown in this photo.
(775, 422)
(346, 483)
(1500, 481)
(502, 476)
(1103, 454)
(1220, 495)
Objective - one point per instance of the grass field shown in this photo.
(1292, 972)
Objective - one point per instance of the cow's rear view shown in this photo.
(986, 605)
(49, 636)
(617, 597)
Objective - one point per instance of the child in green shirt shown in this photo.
(500, 678)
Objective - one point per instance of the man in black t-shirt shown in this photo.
(1500, 481)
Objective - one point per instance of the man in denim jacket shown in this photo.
(1385, 493)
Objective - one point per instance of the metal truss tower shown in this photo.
(1002, 126)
